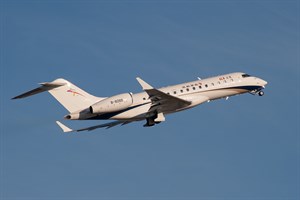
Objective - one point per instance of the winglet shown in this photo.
(144, 85)
(63, 127)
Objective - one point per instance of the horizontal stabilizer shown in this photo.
(64, 127)
(43, 88)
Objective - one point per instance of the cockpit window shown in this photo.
(245, 75)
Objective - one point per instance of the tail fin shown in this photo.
(70, 96)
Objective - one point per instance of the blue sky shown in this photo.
(243, 148)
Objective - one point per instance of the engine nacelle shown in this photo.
(112, 104)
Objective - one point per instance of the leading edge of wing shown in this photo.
(106, 125)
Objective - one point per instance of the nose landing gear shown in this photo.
(261, 93)
(257, 92)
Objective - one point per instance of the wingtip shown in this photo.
(144, 85)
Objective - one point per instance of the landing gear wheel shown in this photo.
(150, 122)
(261, 93)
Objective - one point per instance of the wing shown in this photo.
(107, 125)
(162, 102)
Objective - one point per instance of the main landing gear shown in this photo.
(156, 119)
(150, 122)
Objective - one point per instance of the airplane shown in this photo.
(151, 105)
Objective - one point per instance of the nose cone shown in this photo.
(263, 82)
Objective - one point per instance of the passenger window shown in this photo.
(181, 91)
(206, 85)
(187, 89)
(194, 88)
(200, 87)
(245, 75)
(174, 92)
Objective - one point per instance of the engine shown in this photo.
(112, 104)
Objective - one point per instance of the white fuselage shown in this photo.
(151, 105)
(197, 92)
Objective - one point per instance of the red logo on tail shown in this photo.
(74, 92)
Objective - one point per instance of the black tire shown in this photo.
(261, 93)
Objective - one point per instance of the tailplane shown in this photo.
(69, 95)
